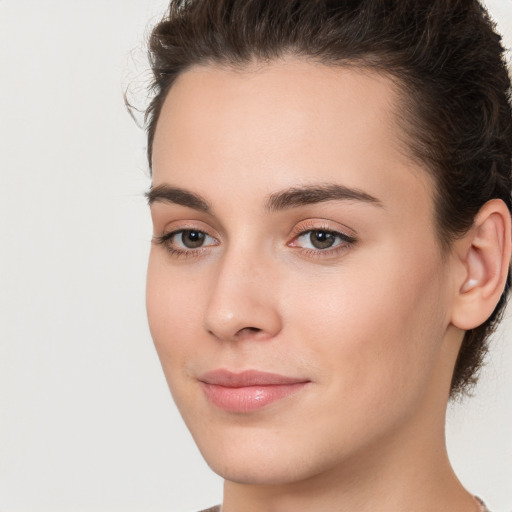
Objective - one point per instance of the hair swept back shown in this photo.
(445, 55)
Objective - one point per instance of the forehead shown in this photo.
(272, 126)
(268, 104)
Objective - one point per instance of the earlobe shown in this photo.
(485, 258)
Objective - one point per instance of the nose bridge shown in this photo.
(243, 295)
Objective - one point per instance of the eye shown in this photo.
(185, 241)
(190, 239)
(321, 240)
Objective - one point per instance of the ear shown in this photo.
(483, 257)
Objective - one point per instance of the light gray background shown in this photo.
(86, 421)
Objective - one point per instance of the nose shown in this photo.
(243, 300)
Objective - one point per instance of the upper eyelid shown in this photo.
(184, 225)
(322, 225)
(299, 228)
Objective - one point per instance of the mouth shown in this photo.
(248, 391)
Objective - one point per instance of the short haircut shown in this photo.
(445, 57)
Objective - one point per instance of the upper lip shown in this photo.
(246, 378)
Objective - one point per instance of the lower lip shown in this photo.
(248, 398)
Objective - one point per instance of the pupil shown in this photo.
(321, 239)
(192, 239)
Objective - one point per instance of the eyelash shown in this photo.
(165, 239)
(345, 241)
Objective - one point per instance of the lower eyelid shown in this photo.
(332, 252)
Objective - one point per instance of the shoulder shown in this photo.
(212, 509)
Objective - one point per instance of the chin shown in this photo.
(260, 456)
(245, 457)
(260, 470)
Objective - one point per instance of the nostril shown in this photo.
(247, 331)
(250, 329)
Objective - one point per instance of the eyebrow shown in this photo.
(290, 198)
(169, 194)
(301, 196)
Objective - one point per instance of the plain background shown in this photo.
(86, 420)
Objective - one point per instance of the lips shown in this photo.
(248, 391)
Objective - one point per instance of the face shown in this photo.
(296, 294)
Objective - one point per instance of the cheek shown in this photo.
(173, 309)
(377, 326)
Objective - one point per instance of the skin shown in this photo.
(369, 323)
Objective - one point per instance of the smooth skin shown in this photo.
(374, 321)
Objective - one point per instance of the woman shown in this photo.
(331, 207)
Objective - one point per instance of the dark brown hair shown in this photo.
(444, 54)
